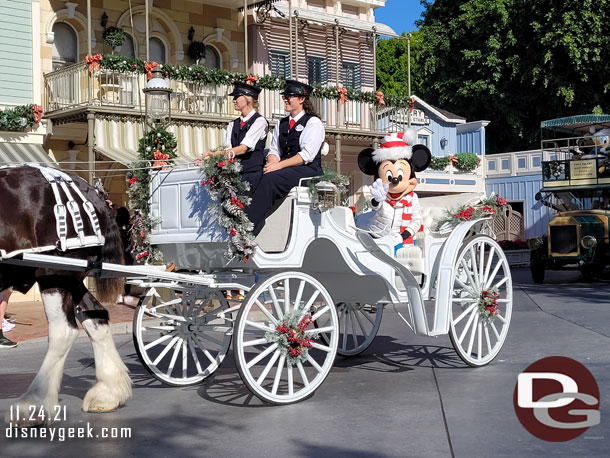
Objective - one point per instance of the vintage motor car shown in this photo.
(576, 186)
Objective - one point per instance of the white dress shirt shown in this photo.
(310, 141)
(257, 131)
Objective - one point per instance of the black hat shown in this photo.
(240, 88)
(297, 88)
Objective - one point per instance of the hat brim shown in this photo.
(392, 154)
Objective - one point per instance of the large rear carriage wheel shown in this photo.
(481, 301)
(178, 335)
(278, 350)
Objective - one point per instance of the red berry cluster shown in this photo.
(490, 299)
(465, 214)
(488, 209)
(501, 201)
(296, 339)
(236, 201)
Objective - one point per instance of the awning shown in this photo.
(19, 153)
(578, 123)
(346, 22)
(118, 140)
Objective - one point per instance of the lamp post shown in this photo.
(157, 100)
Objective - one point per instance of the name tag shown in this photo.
(299, 128)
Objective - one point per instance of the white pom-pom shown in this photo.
(325, 149)
(410, 137)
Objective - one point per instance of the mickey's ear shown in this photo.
(420, 160)
(366, 163)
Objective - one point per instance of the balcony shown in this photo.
(73, 88)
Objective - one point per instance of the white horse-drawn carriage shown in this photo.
(316, 286)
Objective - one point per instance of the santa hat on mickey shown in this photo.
(395, 146)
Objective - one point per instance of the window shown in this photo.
(316, 70)
(279, 64)
(127, 48)
(156, 51)
(351, 75)
(212, 58)
(491, 165)
(505, 165)
(65, 45)
(536, 161)
(521, 162)
(422, 139)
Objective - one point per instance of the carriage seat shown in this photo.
(275, 234)
(432, 208)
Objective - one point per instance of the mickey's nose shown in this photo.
(395, 181)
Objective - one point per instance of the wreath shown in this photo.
(113, 36)
(292, 337)
(229, 193)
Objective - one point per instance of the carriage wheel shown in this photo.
(358, 326)
(278, 350)
(178, 337)
(481, 277)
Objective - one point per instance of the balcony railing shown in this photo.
(73, 87)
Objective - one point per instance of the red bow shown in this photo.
(161, 160)
(37, 112)
(380, 100)
(149, 67)
(93, 62)
(412, 104)
(342, 91)
(251, 79)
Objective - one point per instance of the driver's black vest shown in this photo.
(288, 140)
(254, 160)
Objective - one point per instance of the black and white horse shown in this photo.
(28, 221)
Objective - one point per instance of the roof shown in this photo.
(342, 21)
(445, 115)
(578, 123)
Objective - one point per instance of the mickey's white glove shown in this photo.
(379, 191)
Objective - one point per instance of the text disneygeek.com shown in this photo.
(61, 433)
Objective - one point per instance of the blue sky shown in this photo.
(400, 14)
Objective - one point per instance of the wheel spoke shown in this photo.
(162, 327)
(303, 374)
(487, 338)
(464, 285)
(321, 347)
(357, 315)
(493, 326)
(354, 335)
(501, 318)
(473, 332)
(268, 367)
(278, 374)
(262, 355)
(463, 314)
(481, 262)
(207, 337)
(319, 330)
(194, 356)
(290, 379)
(297, 299)
(166, 350)
(500, 283)
(366, 315)
(479, 339)
(173, 360)
(157, 342)
(468, 323)
(266, 312)
(276, 304)
(488, 267)
(344, 344)
(253, 343)
(184, 360)
(310, 302)
(475, 269)
(260, 326)
(471, 280)
(494, 272)
(286, 295)
(313, 362)
(320, 312)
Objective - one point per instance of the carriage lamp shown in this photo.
(326, 196)
(157, 99)
(588, 242)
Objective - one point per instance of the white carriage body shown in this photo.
(324, 244)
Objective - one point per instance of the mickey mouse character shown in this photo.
(394, 165)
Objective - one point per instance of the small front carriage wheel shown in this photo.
(279, 353)
(481, 301)
(178, 335)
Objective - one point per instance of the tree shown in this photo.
(392, 65)
(513, 62)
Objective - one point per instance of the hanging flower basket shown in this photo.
(113, 37)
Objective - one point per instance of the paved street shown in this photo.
(405, 396)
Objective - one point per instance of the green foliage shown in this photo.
(513, 62)
(340, 180)
(196, 50)
(155, 149)
(19, 119)
(392, 65)
(113, 36)
(466, 162)
(439, 162)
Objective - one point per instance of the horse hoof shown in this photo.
(101, 398)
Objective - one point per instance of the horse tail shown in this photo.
(108, 289)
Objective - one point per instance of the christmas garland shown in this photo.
(486, 208)
(155, 149)
(205, 75)
(292, 337)
(340, 180)
(229, 194)
(19, 119)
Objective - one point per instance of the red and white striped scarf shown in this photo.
(407, 206)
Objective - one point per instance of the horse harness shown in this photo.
(62, 181)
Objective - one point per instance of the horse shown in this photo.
(29, 223)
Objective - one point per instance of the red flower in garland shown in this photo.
(233, 232)
(221, 164)
(142, 255)
(501, 201)
(132, 180)
(488, 209)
